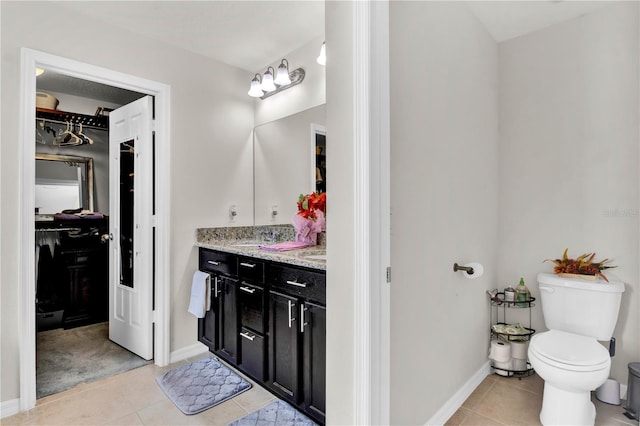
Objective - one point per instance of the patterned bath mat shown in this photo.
(278, 413)
(201, 385)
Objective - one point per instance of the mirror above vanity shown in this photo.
(289, 160)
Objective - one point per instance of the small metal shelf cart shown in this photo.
(501, 329)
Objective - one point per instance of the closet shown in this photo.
(72, 224)
(72, 232)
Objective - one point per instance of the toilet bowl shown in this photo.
(571, 367)
(569, 357)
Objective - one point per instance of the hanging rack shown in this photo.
(97, 122)
(58, 229)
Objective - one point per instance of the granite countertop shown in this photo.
(243, 241)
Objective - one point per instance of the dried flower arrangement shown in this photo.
(582, 265)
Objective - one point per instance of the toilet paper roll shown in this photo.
(500, 351)
(478, 270)
(519, 364)
(506, 365)
(519, 349)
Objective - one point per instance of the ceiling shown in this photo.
(505, 20)
(252, 34)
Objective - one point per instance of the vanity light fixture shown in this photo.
(263, 86)
(255, 91)
(282, 78)
(322, 58)
(267, 81)
(39, 71)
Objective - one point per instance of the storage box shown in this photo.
(46, 100)
(49, 320)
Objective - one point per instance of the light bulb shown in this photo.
(267, 81)
(282, 77)
(322, 58)
(255, 91)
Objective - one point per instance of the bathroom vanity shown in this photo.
(268, 317)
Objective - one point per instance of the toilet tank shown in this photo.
(588, 308)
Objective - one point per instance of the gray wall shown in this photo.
(444, 201)
(561, 171)
(569, 155)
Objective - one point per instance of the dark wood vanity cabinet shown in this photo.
(297, 337)
(314, 359)
(275, 315)
(219, 328)
(284, 347)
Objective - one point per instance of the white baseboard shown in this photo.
(451, 406)
(9, 408)
(185, 353)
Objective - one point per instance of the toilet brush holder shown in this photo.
(609, 392)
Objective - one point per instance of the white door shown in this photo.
(131, 227)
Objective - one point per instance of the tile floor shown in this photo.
(134, 398)
(511, 401)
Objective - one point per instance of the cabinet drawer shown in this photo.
(252, 348)
(252, 301)
(298, 282)
(251, 269)
(216, 261)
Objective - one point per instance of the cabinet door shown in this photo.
(314, 319)
(208, 326)
(228, 320)
(284, 346)
(252, 348)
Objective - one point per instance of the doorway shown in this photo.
(73, 181)
(31, 60)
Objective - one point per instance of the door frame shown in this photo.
(30, 60)
(372, 210)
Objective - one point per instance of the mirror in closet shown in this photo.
(63, 182)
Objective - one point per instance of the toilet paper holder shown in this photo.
(467, 269)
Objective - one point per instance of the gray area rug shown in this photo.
(277, 413)
(66, 358)
(201, 385)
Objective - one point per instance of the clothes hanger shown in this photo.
(85, 138)
(67, 137)
(40, 139)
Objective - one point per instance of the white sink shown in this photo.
(317, 256)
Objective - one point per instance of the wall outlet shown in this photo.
(233, 212)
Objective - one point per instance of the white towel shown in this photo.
(200, 301)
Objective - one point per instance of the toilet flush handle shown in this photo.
(547, 289)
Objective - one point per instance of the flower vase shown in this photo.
(307, 229)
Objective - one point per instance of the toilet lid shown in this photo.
(570, 350)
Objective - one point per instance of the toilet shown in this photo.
(569, 357)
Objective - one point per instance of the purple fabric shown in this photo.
(68, 216)
(287, 245)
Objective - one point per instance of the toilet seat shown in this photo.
(569, 351)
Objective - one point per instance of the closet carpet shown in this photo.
(65, 358)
